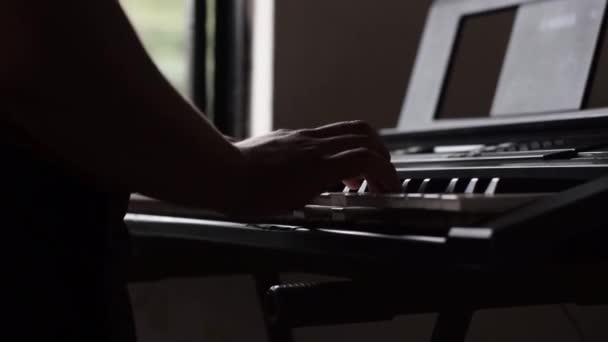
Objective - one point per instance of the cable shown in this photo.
(574, 322)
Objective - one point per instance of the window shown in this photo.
(203, 48)
(261, 100)
(162, 26)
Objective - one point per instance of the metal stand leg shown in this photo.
(452, 325)
(276, 332)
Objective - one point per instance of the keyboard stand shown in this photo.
(455, 296)
(526, 279)
(549, 252)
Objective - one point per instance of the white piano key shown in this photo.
(478, 203)
(330, 199)
(299, 214)
(338, 215)
(323, 199)
(432, 201)
(339, 199)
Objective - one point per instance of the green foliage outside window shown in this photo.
(162, 26)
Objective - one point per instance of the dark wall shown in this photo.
(344, 59)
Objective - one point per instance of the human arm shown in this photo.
(102, 107)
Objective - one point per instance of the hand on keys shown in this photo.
(287, 168)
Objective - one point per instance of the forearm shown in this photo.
(104, 108)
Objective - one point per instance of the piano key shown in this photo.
(458, 148)
(414, 184)
(404, 186)
(437, 185)
(326, 198)
(452, 186)
(471, 186)
(474, 203)
(508, 146)
(535, 145)
(363, 188)
(432, 202)
(491, 189)
(299, 214)
(339, 200)
(338, 215)
(489, 149)
(424, 185)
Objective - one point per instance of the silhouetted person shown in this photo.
(85, 120)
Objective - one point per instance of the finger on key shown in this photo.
(349, 128)
(353, 183)
(361, 162)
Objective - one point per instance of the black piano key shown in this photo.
(364, 188)
(335, 188)
(477, 185)
(437, 185)
(482, 185)
(471, 186)
(413, 185)
(423, 186)
(506, 147)
(491, 188)
(461, 185)
(451, 188)
(405, 184)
